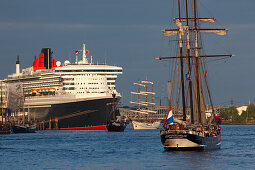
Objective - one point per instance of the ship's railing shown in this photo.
(178, 131)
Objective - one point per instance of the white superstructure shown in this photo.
(137, 125)
(67, 83)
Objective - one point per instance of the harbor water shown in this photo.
(122, 150)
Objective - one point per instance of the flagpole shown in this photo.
(170, 108)
(166, 117)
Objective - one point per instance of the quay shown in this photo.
(162, 111)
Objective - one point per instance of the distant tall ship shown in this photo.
(115, 123)
(189, 85)
(68, 96)
(145, 115)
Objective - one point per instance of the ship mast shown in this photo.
(197, 68)
(189, 65)
(181, 59)
(84, 57)
(2, 113)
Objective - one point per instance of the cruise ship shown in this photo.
(64, 96)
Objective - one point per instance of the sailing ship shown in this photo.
(4, 127)
(115, 123)
(145, 115)
(190, 85)
(17, 99)
(24, 128)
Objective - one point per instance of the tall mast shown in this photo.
(146, 90)
(197, 65)
(189, 65)
(181, 59)
(84, 57)
(152, 97)
(138, 97)
(2, 114)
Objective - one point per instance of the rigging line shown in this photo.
(182, 65)
(219, 59)
(176, 64)
(178, 96)
(208, 90)
(173, 83)
(206, 61)
(177, 78)
(173, 67)
(174, 80)
(210, 13)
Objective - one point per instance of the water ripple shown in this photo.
(128, 150)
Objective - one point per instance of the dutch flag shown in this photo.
(170, 118)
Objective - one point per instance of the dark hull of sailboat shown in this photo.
(115, 127)
(23, 129)
(189, 142)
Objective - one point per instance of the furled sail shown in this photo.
(209, 20)
(171, 32)
(215, 31)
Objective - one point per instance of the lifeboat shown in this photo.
(52, 89)
(34, 90)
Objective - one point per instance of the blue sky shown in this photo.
(128, 34)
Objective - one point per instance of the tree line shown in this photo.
(232, 114)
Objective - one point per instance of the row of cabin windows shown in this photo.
(42, 80)
(72, 88)
(98, 74)
(86, 83)
(42, 84)
(78, 74)
(111, 78)
(68, 83)
(89, 79)
(90, 92)
(68, 88)
(88, 70)
(68, 78)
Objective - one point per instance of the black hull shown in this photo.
(189, 142)
(73, 115)
(113, 128)
(23, 129)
